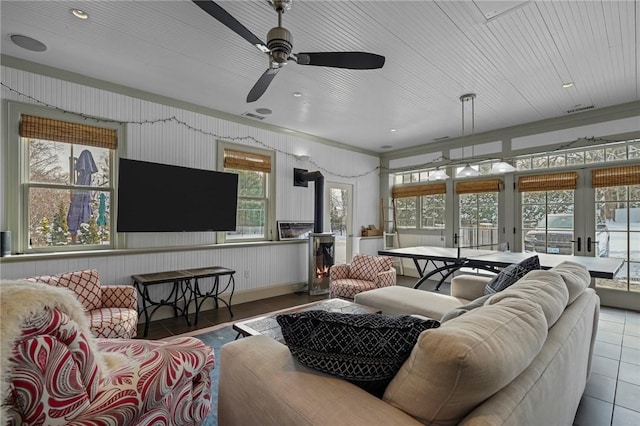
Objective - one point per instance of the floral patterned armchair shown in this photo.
(54, 372)
(364, 273)
(112, 310)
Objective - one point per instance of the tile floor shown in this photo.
(611, 397)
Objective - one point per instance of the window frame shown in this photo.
(270, 188)
(17, 184)
(419, 200)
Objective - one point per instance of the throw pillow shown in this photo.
(511, 274)
(456, 312)
(364, 349)
(366, 267)
(85, 284)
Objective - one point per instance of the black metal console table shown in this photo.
(216, 272)
(183, 291)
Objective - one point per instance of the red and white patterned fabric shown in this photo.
(112, 310)
(85, 284)
(366, 267)
(54, 378)
(363, 273)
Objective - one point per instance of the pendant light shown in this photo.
(502, 167)
(438, 175)
(469, 171)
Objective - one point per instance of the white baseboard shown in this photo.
(241, 296)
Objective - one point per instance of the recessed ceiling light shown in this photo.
(567, 85)
(28, 43)
(296, 94)
(393, 130)
(80, 14)
(263, 111)
(386, 147)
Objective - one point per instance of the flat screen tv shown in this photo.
(156, 197)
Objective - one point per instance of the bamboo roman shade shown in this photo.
(548, 182)
(250, 161)
(405, 191)
(478, 186)
(63, 131)
(615, 176)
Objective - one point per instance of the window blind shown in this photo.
(478, 186)
(548, 182)
(63, 131)
(250, 161)
(615, 176)
(405, 191)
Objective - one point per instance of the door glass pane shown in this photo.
(338, 209)
(547, 222)
(478, 220)
(618, 228)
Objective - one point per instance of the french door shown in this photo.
(339, 211)
(595, 218)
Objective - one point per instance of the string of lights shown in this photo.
(188, 126)
(442, 161)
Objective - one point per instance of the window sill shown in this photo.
(124, 252)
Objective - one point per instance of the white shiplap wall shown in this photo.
(173, 143)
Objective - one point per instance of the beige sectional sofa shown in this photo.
(522, 358)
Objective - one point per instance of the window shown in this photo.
(478, 213)
(66, 186)
(428, 200)
(614, 151)
(432, 214)
(255, 189)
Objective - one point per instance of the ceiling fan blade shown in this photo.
(261, 85)
(232, 23)
(350, 60)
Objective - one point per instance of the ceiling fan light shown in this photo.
(438, 175)
(468, 171)
(502, 167)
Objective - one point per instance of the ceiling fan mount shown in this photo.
(279, 47)
(280, 5)
(280, 44)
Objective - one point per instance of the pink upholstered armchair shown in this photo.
(112, 309)
(54, 372)
(364, 273)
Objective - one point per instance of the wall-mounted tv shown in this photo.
(156, 197)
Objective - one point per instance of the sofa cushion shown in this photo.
(546, 288)
(575, 276)
(364, 349)
(454, 368)
(511, 274)
(85, 284)
(456, 312)
(347, 288)
(399, 300)
(366, 267)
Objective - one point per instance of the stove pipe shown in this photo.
(301, 177)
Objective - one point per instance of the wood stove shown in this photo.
(321, 244)
(321, 258)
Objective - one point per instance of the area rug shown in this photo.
(214, 337)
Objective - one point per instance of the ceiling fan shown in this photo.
(280, 43)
